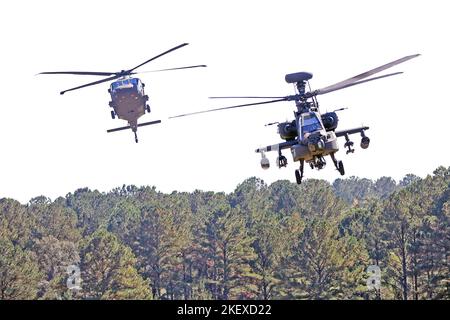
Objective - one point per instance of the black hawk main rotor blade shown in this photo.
(178, 68)
(159, 55)
(92, 83)
(231, 107)
(81, 73)
(116, 75)
(356, 79)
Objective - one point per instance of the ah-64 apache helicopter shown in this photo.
(128, 99)
(312, 135)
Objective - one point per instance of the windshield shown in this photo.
(122, 84)
(310, 123)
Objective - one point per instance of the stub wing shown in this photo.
(277, 147)
(351, 131)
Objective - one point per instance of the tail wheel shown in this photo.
(341, 168)
(113, 114)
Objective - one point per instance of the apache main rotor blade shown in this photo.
(179, 68)
(92, 83)
(226, 108)
(82, 73)
(159, 55)
(345, 83)
(246, 97)
(362, 81)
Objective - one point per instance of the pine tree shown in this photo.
(324, 265)
(160, 242)
(54, 257)
(412, 233)
(53, 219)
(229, 253)
(19, 272)
(16, 224)
(108, 269)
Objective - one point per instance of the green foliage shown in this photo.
(16, 224)
(53, 257)
(160, 241)
(19, 272)
(54, 220)
(108, 269)
(354, 190)
(278, 241)
(324, 265)
(228, 254)
(269, 245)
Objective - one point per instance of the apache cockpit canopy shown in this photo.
(310, 123)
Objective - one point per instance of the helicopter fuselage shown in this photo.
(314, 137)
(128, 100)
(313, 140)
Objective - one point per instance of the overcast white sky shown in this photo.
(52, 144)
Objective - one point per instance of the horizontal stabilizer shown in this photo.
(118, 129)
(148, 123)
(139, 125)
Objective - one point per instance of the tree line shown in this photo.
(278, 241)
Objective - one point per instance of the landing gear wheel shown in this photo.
(298, 176)
(147, 107)
(340, 167)
(113, 114)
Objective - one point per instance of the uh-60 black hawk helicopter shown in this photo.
(312, 135)
(128, 99)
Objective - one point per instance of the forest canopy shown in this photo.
(278, 241)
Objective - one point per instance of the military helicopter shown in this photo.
(311, 135)
(128, 99)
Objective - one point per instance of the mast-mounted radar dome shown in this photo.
(298, 77)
